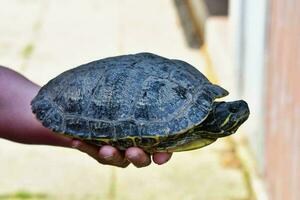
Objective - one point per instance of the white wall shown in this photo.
(248, 25)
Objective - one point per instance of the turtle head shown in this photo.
(225, 118)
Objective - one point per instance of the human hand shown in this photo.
(109, 155)
(16, 94)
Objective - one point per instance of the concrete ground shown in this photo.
(41, 39)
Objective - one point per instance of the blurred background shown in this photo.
(250, 47)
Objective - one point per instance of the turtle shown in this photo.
(143, 100)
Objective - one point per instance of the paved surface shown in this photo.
(41, 39)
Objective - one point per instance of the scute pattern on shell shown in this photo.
(132, 95)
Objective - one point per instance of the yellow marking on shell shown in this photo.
(191, 145)
(226, 120)
(156, 138)
(131, 138)
(106, 140)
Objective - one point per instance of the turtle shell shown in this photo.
(140, 96)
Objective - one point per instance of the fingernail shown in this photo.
(108, 157)
(75, 144)
(133, 156)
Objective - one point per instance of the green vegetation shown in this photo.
(27, 51)
(23, 195)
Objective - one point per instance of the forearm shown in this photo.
(17, 122)
(30, 132)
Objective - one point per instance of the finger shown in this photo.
(161, 158)
(94, 152)
(112, 156)
(137, 157)
(85, 148)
